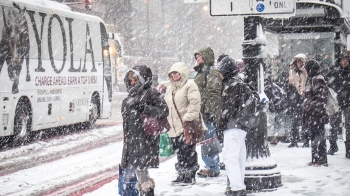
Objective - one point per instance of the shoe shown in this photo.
(206, 173)
(274, 142)
(235, 193)
(187, 181)
(292, 145)
(306, 145)
(311, 164)
(333, 148)
(222, 165)
(178, 180)
(321, 165)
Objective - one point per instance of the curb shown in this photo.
(91, 184)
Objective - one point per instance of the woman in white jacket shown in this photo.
(186, 96)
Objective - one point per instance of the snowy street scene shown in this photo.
(174, 97)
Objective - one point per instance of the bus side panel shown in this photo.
(61, 68)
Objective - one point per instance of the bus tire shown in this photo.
(93, 111)
(22, 123)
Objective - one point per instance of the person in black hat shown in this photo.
(234, 153)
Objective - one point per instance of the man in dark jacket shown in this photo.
(209, 85)
(341, 84)
(234, 134)
(314, 113)
(141, 152)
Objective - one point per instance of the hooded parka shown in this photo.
(187, 99)
(209, 85)
(141, 151)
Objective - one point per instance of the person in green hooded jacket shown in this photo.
(209, 84)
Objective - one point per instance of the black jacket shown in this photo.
(141, 151)
(339, 80)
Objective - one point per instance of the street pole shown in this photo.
(261, 169)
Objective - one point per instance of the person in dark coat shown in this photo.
(314, 112)
(340, 81)
(140, 152)
(234, 152)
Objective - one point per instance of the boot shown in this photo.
(146, 188)
(189, 179)
(333, 148)
(293, 144)
(179, 179)
(347, 149)
(149, 193)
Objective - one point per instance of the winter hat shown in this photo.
(312, 67)
(223, 55)
(344, 55)
(227, 67)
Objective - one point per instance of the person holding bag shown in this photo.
(140, 151)
(183, 99)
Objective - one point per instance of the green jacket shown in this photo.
(209, 86)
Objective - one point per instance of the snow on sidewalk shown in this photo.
(297, 177)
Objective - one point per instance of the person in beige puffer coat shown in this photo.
(187, 99)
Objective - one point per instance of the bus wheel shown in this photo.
(93, 112)
(22, 123)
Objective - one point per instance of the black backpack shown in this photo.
(278, 101)
(250, 107)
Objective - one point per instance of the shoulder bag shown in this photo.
(153, 126)
(193, 130)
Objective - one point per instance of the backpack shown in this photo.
(278, 102)
(332, 106)
(248, 112)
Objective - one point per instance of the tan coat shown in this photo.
(187, 99)
(298, 80)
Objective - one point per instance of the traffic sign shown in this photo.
(251, 7)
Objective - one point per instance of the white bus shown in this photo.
(55, 67)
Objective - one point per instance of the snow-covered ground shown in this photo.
(297, 177)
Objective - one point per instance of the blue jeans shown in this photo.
(212, 162)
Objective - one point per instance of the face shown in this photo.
(300, 63)
(176, 76)
(344, 62)
(199, 59)
(132, 78)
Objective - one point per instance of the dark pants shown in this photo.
(318, 144)
(346, 113)
(336, 129)
(187, 158)
(296, 123)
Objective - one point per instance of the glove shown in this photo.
(139, 106)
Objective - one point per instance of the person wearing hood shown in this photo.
(182, 97)
(209, 85)
(234, 152)
(295, 92)
(140, 151)
(340, 82)
(314, 113)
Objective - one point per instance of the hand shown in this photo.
(139, 106)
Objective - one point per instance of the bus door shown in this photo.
(106, 109)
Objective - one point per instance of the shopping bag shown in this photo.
(165, 146)
(127, 183)
(211, 147)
